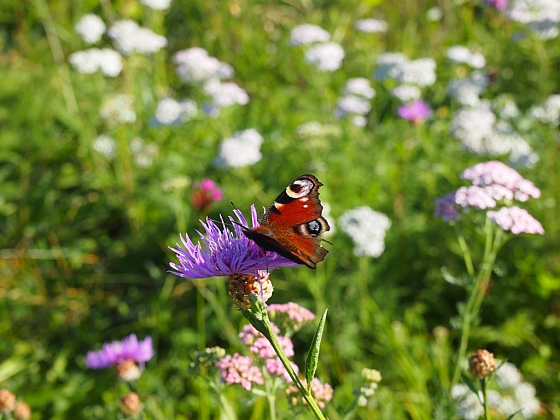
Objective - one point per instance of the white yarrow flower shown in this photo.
(130, 38)
(549, 112)
(421, 72)
(91, 28)
(406, 93)
(326, 57)
(194, 65)
(308, 34)
(242, 149)
(89, 61)
(367, 229)
(118, 109)
(461, 54)
(359, 86)
(170, 111)
(371, 26)
(105, 145)
(226, 94)
(156, 4)
(351, 105)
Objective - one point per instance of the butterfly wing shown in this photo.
(293, 225)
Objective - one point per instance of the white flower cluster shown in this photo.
(406, 93)
(548, 112)
(325, 55)
(371, 26)
(128, 38)
(105, 145)
(118, 109)
(396, 66)
(308, 34)
(460, 54)
(225, 94)
(367, 229)
(242, 149)
(156, 4)
(143, 154)
(490, 135)
(91, 28)
(169, 111)
(314, 129)
(89, 61)
(467, 91)
(194, 65)
(355, 102)
(514, 396)
(541, 16)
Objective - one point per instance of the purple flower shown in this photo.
(446, 208)
(497, 173)
(500, 5)
(516, 220)
(226, 252)
(275, 367)
(118, 352)
(239, 369)
(206, 193)
(415, 111)
(292, 310)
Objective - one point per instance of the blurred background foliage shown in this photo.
(84, 240)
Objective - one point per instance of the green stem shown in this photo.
(258, 317)
(270, 389)
(492, 245)
(465, 250)
(485, 396)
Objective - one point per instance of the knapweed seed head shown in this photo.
(7, 401)
(225, 252)
(482, 363)
(131, 404)
(241, 286)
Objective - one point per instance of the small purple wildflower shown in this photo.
(249, 334)
(226, 252)
(499, 5)
(262, 347)
(322, 393)
(516, 220)
(275, 367)
(415, 111)
(495, 172)
(239, 369)
(446, 208)
(205, 193)
(117, 352)
(294, 311)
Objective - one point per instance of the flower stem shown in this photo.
(258, 317)
(485, 396)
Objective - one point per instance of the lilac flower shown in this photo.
(516, 220)
(446, 208)
(275, 367)
(416, 111)
(226, 252)
(239, 369)
(292, 311)
(262, 347)
(495, 172)
(117, 352)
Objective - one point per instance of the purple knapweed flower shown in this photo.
(415, 111)
(516, 220)
(239, 369)
(205, 193)
(446, 208)
(225, 252)
(119, 352)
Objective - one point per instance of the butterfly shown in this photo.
(293, 225)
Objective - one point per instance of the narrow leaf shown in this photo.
(313, 355)
(471, 385)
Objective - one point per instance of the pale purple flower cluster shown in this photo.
(224, 252)
(239, 369)
(493, 183)
(118, 352)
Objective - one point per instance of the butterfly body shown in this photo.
(293, 225)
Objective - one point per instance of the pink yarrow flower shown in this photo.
(474, 196)
(415, 111)
(118, 352)
(225, 252)
(516, 220)
(322, 393)
(239, 369)
(275, 367)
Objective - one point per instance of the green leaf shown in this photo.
(313, 355)
(470, 384)
(513, 415)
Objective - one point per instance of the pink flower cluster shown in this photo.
(239, 369)
(493, 183)
(322, 393)
(205, 193)
(294, 312)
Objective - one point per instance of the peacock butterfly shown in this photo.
(293, 225)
